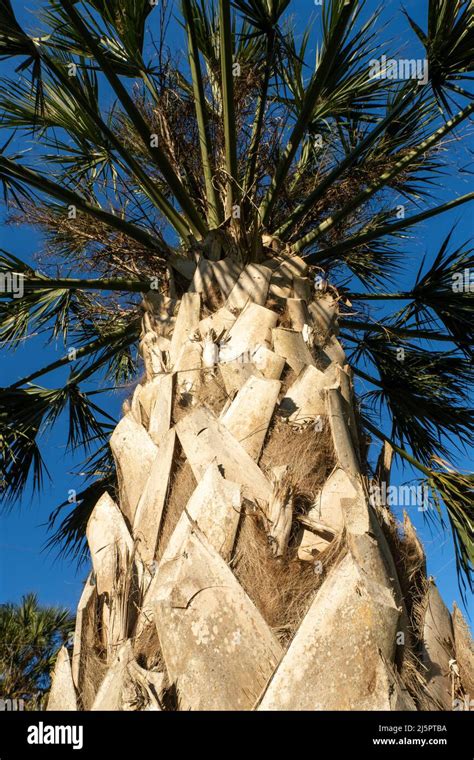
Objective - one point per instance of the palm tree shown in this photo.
(30, 637)
(220, 227)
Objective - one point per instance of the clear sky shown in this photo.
(24, 566)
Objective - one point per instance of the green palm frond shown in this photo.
(201, 114)
(25, 415)
(82, 97)
(441, 295)
(338, 21)
(15, 43)
(12, 264)
(456, 491)
(264, 18)
(26, 316)
(20, 179)
(31, 303)
(391, 330)
(245, 41)
(262, 15)
(411, 122)
(34, 280)
(128, 19)
(156, 152)
(444, 292)
(119, 27)
(206, 28)
(67, 521)
(425, 392)
(30, 637)
(449, 42)
(448, 488)
(228, 105)
(372, 264)
(110, 349)
(111, 353)
(59, 106)
(357, 153)
(372, 232)
(13, 40)
(386, 177)
(347, 88)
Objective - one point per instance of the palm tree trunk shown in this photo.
(243, 565)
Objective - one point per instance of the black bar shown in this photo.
(143, 735)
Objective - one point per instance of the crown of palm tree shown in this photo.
(143, 159)
(30, 636)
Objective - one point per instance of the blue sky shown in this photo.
(24, 566)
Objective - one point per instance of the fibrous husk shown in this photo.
(204, 439)
(220, 321)
(186, 325)
(147, 522)
(350, 628)
(250, 413)
(282, 589)
(464, 651)
(304, 400)
(414, 554)
(160, 408)
(62, 695)
(127, 686)
(134, 453)
(214, 508)
(226, 272)
(251, 329)
(108, 538)
(308, 453)
(218, 650)
(290, 344)
(438, 648)
(183, 484)
(252, 285)
(94, 669)
(84, 643)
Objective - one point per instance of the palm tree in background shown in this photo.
(30, 637)
(218, 227)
